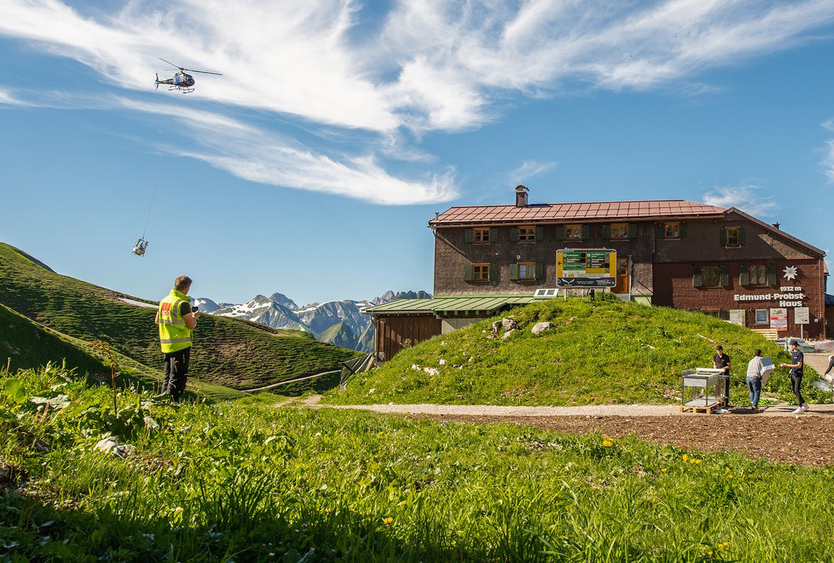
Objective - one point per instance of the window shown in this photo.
(758, 274)
(481, 235)
(526, 271)
(731, 237)
(573, 232)
(480, 272)
(710, 276)
(527, 233)
(672, 230)
(762, 317)
(619, 231)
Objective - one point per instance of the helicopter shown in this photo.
(181, 81)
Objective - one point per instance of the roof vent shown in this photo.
(520, 196)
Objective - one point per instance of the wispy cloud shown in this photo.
(7, 98)
(338, 66)
(747, 197)
(530, 169)
(261, 156)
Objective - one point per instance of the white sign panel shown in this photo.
(801, 315)
(779, 318)
(737, 316)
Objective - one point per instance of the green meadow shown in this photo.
(246, 481)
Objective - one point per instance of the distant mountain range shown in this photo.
(336, 322)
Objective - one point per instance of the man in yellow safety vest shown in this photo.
(176, 321)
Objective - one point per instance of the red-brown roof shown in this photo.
(561, 212)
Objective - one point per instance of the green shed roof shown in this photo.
(450, 305)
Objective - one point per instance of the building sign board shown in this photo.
(737, 316)
(801, 315)
(779, 318)
(586, 267)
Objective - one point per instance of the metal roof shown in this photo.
(562, 212)
(449, 305)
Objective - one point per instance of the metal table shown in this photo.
(700, 380)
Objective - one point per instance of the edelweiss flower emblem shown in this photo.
(790, 272)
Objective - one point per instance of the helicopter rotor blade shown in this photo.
(172, 64)
(202, 71)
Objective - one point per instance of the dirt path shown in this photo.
(776, 434)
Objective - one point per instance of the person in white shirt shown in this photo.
(755, 367)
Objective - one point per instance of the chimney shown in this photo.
(521, 196)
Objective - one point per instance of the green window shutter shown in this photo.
(539, 233)
(661, 230)
(771, 274)
(493, 272)
(514, 272)
(539, 271)
(744, 274)
(697, 278)
(467, 272)
(683, 230)
(724, 271)
(560, 232)
(513, 234)
(632, 230)
(586, 232)
(722, 236)
(493, 235)
(606, 232)
(467, 235)
(742, 236)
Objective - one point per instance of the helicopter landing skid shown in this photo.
(181, 89)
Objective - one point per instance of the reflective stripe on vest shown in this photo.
(174, 334)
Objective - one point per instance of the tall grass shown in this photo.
(247, 481)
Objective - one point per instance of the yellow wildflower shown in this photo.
(387, 520)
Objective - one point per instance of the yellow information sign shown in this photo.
(591, 267)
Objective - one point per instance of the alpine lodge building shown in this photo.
(670, 253)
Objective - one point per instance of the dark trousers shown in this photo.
(176, 373)
(796, 380)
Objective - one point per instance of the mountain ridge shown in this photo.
(353, 328)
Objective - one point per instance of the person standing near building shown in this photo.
(176, 321)
(722, 361)
(797, 361)
(755, 368)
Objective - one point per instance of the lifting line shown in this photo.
(142, 244)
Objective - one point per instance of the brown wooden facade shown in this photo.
(678, 254)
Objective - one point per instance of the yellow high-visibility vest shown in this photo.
(174, 335)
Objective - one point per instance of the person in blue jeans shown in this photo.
(755, 367)
(797, 361)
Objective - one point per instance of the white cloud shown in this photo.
(260, 156)
(7, 98)
(828, 160)
(422, 66)
(746, 197)
(530, 169)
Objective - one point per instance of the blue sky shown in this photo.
(338, 128)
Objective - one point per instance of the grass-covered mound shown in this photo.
(229, 352)
(600, 352)
(246, 481)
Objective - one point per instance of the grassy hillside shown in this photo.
(246, 481)
(229, 352)
(599, 352)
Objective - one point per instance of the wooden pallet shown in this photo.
(694, 409)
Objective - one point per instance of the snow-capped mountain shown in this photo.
(338, 322)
